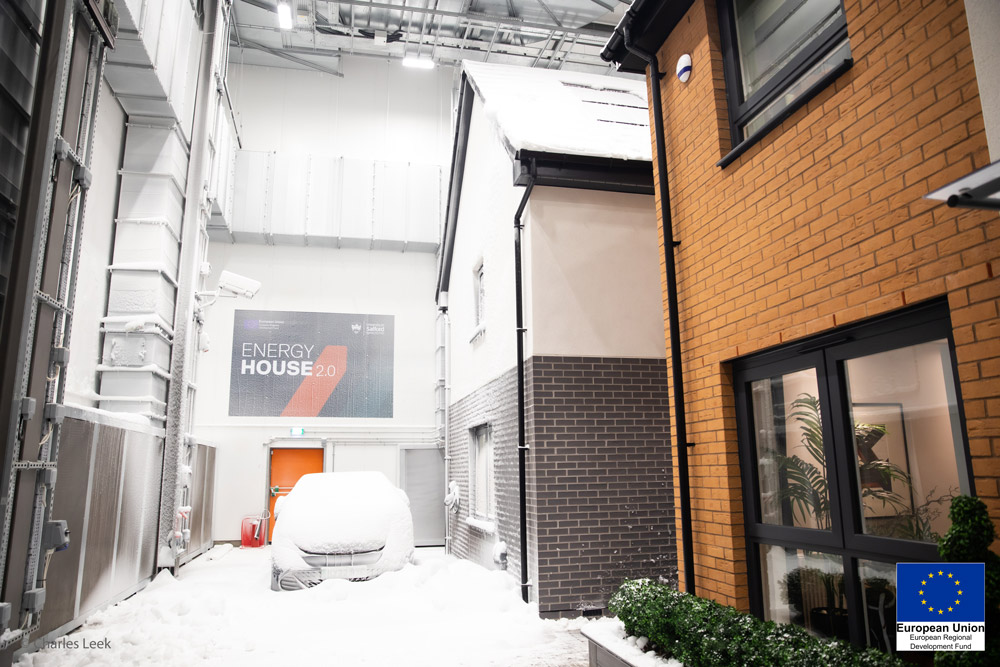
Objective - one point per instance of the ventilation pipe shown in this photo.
(444, 398)
(196, 212)
(522, 446)
(673, 315)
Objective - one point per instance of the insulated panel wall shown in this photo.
(293, 199)
(140, 491)
(102, 519)
(69, 504)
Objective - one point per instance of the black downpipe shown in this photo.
(522, 446)
(673, 315)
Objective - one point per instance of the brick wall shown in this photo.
(601, 468)
(822, 223)
(495, 403)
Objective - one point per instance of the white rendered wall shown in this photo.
(315, 280)
(95, 252)
(984, 26)
(594, 275)
(484, 235)
(379, 110)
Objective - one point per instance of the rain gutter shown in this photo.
(673, 313)
(522, 446)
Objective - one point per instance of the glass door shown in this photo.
(851, 448)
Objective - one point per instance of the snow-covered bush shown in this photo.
(703, 633)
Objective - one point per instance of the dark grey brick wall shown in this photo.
(495, 403)
(602, 471)
(599, 490)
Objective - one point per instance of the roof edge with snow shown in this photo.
(549, 168)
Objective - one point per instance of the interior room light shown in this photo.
(284, 16)
(418, 63)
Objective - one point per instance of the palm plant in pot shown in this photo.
(803, 492)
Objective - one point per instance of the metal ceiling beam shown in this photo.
(606, 5)
(549, 12)
(448, 48)
(286, 53)
(474, 16)
(569, 50)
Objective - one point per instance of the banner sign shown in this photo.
(941, 607)
(288, 364)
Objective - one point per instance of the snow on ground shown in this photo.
(439, 612)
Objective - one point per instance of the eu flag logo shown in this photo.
(941, 592)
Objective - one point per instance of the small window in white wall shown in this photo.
(481, 483)
(479, 289)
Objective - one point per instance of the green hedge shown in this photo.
(703, 633)
(968, 541)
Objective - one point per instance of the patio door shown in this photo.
(851, 447)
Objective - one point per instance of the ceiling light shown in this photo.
(418, 63)
(284, 16)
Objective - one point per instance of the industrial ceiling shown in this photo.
(552, 34)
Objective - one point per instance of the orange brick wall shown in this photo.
(823, 223)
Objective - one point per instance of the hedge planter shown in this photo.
(703, 633)
(609, 647)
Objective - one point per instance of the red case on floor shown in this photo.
(254, 532)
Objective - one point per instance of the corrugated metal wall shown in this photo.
(109, 493)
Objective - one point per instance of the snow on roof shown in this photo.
(553, 111)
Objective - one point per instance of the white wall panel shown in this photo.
(485, 235)
(378, 111)
(425, 205)
(357, 207)
(297, 199)
(95, 251)
(291, 186)
(252, 191)
(594, 274)
(391, 203)
(326, 190)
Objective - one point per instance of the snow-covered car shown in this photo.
(340, 525)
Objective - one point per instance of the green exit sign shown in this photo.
(297, 431)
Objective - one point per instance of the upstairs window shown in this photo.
(480, 296)
(777, 55)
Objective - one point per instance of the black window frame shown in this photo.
(743, 110)
(827, 354)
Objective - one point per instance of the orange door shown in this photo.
(287, 466)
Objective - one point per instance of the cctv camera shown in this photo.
(238, 285)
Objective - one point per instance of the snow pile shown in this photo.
(565, 112)
(344, 512)
(441, 612)
(610, 633)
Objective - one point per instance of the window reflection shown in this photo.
(791, 462)
(907, 440)
(805, 588)
(878, 581)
